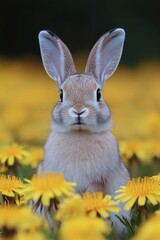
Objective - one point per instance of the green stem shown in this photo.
(143, 211)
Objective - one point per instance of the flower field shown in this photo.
(27, 97)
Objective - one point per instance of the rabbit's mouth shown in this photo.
(79, 121)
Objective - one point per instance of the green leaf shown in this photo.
(127, 224)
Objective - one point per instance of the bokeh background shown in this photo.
(79, 24)
(27, 94)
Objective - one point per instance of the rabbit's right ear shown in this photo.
(56, 57)
(105, 55)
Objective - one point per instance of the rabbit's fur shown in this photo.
(80, 143)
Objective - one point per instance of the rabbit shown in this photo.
(80, 143)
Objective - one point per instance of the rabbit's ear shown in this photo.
(56, 57)
(105, 55)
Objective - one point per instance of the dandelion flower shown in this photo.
(48, 186)
(35, 157)
(149, 230)
(32, 235)
(3, 168)
(10, 187)
(10, 154)
(139, 190)
(71, 208)
(129, 148)
(14, 220)
(85, 228)
(96, 204)
(156, 177)
(153, 148)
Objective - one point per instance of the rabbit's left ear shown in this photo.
(56, 57)
(105, 55)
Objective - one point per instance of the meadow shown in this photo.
(27, 97)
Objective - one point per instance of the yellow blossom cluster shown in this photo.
(26, 101)
(145, 151)
(59, 203)
(12, 155)
(15, 222)
(90, 204)
(45, 190)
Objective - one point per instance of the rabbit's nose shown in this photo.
(83, 112)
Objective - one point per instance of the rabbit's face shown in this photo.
(81, 106)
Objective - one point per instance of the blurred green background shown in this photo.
(80, 23)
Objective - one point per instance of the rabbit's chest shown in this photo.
(83, 158)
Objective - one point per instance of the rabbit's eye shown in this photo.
(61, 95)
(98, 95)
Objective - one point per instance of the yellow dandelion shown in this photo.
(3, 168)
(85, 228)
(156, 177)
(71, 208)
(32, 235)
(14, 220)
(149, 230)
(35, 157)
(129, 148)
(139, 190)
(153, 148)
(10, 187)
(12, 153)
(97, 204)
(48, 186)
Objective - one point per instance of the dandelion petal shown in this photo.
(141, 200)
(130, 203)
(152, 199)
